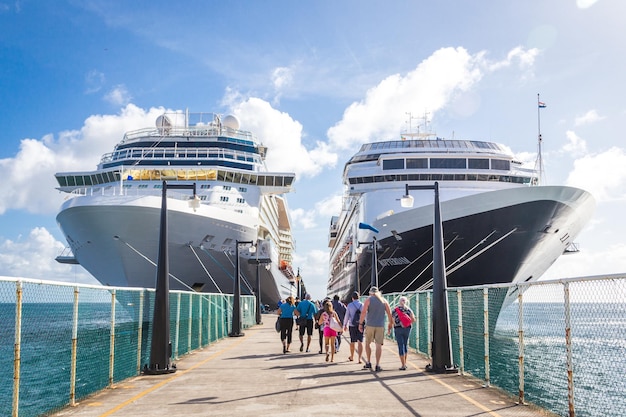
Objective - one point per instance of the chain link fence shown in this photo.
(558, 344)
(65, 342)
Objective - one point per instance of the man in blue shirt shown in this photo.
(305, 310)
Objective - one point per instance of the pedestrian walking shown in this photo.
(403, 318)
(305, 310)
(285, 314)
(340, 309)
(351, 324)
(373, 320)
(330, 331)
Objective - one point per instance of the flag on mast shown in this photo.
(542, 105)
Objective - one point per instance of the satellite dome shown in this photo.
(231, 122)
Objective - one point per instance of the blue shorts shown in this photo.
(355, 334)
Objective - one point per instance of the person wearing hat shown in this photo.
(373, 321)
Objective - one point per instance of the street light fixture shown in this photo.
(442, 344)
(236, 321)
(161, 346)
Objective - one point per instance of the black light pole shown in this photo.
(374, 275)
(236, 322)
(299, 288)
(357, 282)
(258, 294)
(161, 347)
(442, 344)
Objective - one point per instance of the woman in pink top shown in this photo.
(329, 334)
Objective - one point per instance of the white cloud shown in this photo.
(585, 4)
(575, 145)
(94, 80)
(314, 271)
(600, 174)
(282, 77)
(29, 176)
(590, 117)
(119, 96)
(322, 210)
(282, 135)
(33, 257)
(432, 85)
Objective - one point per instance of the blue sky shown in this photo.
(313, 80)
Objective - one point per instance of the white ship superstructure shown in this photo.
(111, 216)
(499, 225)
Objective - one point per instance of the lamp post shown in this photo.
(258, 294)
(161, 347)
(374, 275)
(236, 321)
(357, 282)
(442, 344)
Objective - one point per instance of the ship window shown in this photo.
(478, 163)
(500, 164)
(223, 198)
(253, 180)
(416, 163)
(288, 181)
(393, 164)
(203, 197)
(205, 186)
(243, 189)
(226, 188)
(459, 177)
(379, 178)
(241, 200)
(245, 179)
(143, 185)
(448, 163)
(261, 180)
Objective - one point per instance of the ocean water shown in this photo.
(598, 332)
(598, 349)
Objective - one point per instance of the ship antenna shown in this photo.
(539, 161)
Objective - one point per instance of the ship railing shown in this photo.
(557, 343)
(142, 153)
(191, 131)
(99, 336)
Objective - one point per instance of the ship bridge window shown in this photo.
(393, 164)
(501, 164)
(478, 163)
(448, 163)
(417, 163)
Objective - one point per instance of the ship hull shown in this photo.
(501, 236)
(117, 240)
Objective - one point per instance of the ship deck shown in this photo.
(250, 376)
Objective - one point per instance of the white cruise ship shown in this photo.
(111, 215)
(499, 225)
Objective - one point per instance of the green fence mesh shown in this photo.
(44, 325)
(558, 344)
(520, 343)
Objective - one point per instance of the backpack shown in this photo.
(357, 317)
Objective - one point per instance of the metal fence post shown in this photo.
(17, 348)
(112, 340)
(486, 334)
(568, 350)
(520, 332)
(74, 349)
(459, 298)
